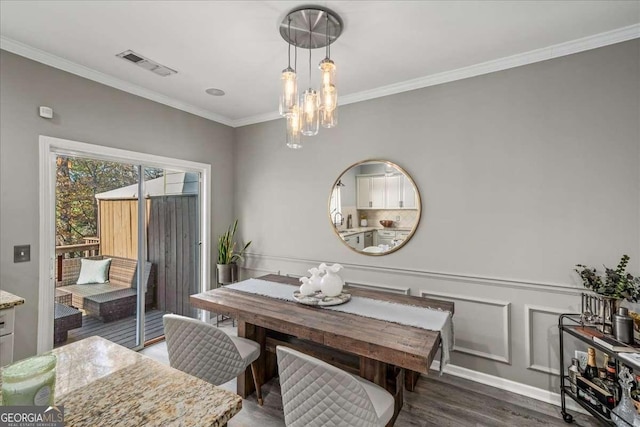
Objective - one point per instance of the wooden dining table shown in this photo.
(386, 353)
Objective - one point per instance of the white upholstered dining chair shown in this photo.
(206, 352)
(315, 393)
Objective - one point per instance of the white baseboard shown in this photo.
(508, 385)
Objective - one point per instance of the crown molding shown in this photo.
(258, 118)
(54, 61)
(555, 51)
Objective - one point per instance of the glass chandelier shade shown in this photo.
(310, 112)
(329, 93)
(329, 118)
(289, 93)
(294, 129)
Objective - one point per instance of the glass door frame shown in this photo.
(51, 147)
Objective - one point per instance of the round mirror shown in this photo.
(374, 207)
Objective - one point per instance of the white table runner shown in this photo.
(426, 318)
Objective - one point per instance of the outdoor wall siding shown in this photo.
(89, 112)
(523, 173)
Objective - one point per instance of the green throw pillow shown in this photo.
(94, 271)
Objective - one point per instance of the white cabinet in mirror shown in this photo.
(374, 207)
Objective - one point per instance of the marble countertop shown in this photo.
(102, 383)
(8, 300)
(356, 230)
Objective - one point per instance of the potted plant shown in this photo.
(612, 288)
(615, 284)
(227, 255)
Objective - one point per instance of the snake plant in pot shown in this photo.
(228, 256)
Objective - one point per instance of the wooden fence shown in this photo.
(173, 246)
(119, 227)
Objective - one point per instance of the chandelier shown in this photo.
(310, 27)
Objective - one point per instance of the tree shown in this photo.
(78, 180)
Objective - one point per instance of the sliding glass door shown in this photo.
(127, 248)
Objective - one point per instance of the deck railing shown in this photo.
(81, 250)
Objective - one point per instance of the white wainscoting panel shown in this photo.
(474, 323)
(392, 289)
(251, 259)
(256, 272)
(248, 273)
(541, 338)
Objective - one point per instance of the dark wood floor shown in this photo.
(449, 401)
(438, 401)
(121, 331)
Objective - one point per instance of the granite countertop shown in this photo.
(102, 383)
(8, 300)
(356, 230)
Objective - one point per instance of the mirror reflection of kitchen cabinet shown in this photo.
(400, 193)
(401, 236)
(350, 240)
(356, 241)
(368, 239)
(370, 191)
(386, 237)
(393, 189)
(408, 194)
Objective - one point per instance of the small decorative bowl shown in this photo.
(386, 223)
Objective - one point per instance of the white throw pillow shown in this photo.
(94, 271)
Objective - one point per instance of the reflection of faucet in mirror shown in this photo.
(336, 204)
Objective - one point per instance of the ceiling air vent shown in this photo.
(145, 63)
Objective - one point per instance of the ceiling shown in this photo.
(386, 46)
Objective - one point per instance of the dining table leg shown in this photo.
(389, 377)
(245, 384)
(410, 379)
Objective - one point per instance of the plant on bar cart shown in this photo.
(611, 286)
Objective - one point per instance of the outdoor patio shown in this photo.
(107, 306)
(121, 331)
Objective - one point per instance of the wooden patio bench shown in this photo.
(122, 277)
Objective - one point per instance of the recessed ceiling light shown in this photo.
(215, 92)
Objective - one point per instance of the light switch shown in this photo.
(22, 253)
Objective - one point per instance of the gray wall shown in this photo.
(88, 112)
(523, 173)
